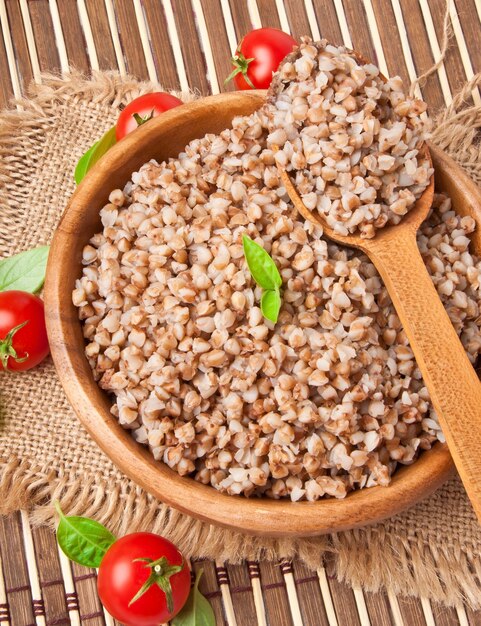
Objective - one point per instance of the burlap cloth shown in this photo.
(431, 550)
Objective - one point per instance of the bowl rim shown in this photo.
(261, 516)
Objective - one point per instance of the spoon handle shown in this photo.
(453, 384)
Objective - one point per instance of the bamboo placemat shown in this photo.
(187, 44)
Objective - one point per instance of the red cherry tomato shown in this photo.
(258, 56)
(23, 336)
(142, 109)
(125, 571)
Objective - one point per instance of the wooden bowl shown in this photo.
(163, 137)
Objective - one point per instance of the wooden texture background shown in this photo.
(187, 44)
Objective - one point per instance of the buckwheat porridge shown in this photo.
(328, 399)
(351, 137)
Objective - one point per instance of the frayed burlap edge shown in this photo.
(367, 556)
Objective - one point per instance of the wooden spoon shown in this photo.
(453, 385)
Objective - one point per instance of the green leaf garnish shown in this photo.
(196, 611)
(94, 153)
(24, 271)
(271, 304)
(83, 164)
(263, 269)
(83, 540)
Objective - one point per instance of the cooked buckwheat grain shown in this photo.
(352, 139)
(329, 399)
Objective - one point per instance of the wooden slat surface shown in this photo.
(17, 32)
(6, 90)
(73, 34)
(344, 603)
(444, 615)
(15, 570)
(207, 32)
(86, 587)
(469, 19)
(240, 17)
(268, 13)
(297, 18)
(194, 60)
(217, 32)
(275, 596)
(310, 600)
(327, 20)
(130, 39)
(390, 38)
(44, 36)
(474, 617)
(241, 592)
(452, 62)
(162, 50)
(50, 576)
(411, 611)
(99, 22)
(420, 47)
(359, 29)
(378, 608)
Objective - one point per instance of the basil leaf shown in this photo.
(103, 145)
(93, 154)
(271, 304)
(263, 269)
(197, 610)
(24, 271)
(83, 540)
(82, 165)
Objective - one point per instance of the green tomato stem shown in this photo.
(161, 571)
(141, 120)
(241, 66)
(7, 351)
